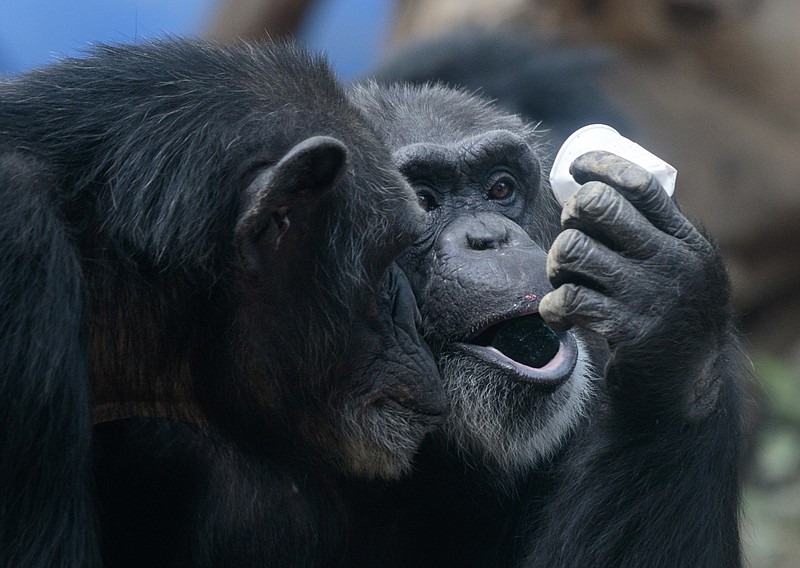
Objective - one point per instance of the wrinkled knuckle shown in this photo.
(573, 246)
(596, 197)
(636, 178)
(571, 298)
(570, 210)
(553, 264)
(558, 245)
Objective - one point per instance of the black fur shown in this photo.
(194, 254)
(626, 455)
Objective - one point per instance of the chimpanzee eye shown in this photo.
(426, 200)
(502, 187)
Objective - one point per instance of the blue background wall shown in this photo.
(36, 32)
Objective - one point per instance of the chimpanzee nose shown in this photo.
(482, 236)
(485, 259)
(480, 232)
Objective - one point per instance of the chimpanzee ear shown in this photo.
(304, 174)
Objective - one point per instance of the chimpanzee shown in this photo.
(595, 389)
(196, 248)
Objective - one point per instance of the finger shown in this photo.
(637, 185)
(604, 214)
(572, 305)
(577, 258)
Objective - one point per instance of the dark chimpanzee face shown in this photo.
(516, 386)
(317, 240)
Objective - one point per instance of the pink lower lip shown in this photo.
(550, 375)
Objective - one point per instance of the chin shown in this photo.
(508, 418)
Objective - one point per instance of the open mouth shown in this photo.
(527, 349)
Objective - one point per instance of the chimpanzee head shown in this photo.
(236, 220)
(516, 386)
(324, 328)
(316, 240)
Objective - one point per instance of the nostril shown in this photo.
(487, 242)
(480, 244)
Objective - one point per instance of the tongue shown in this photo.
(527, 340)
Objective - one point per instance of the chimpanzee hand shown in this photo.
(630, 267)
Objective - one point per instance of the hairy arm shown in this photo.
(652, 480)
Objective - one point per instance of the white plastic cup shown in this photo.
(602, 137)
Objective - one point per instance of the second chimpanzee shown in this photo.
(589, 357)
(205, 236)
